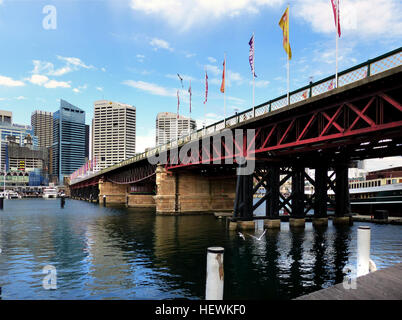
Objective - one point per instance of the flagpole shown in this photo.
(253, 76)
(205, 119)
(189, 120)
(288, 63)
(336, 41)
(224, 95)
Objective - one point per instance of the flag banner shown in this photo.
(206, 87)
(251, 56)
(223, 77)
(335, 8)
(189, 91)
(331, 85)
(181, 80)
(284, 24)
(178, 104)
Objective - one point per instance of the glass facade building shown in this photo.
(69, 140)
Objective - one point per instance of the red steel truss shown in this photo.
(347, 122)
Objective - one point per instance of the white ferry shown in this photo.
(50, 192)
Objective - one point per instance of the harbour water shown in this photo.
(120, 253)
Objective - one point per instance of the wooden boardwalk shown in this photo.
(385, 284)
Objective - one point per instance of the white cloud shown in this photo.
(260, 83)
(190, 55)
(99, 88)
(20, 98)
(42, 80)
(213, 69)
(9, 82)
(183, 14)
(38, 79)
(71, 64)
(140, 57)
(145, 139)
(160, 44)
(52, 84)
(211, 59)
(151, 88)
(103, 69)
(80, 88)
(364, 18)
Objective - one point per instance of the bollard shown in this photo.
(104, 200)
(1, 203)
(363, 250)
(214, 283)
(62, 201)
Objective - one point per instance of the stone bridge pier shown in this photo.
(192, 192)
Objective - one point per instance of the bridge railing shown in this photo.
(371, 67)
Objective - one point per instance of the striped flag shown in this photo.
(223, 77)
(251, 56)
(335, 8)
(284, 24)
(206, 87)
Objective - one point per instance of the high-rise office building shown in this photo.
(69, 139)
(21, 134)
(114, 128)
(168, 127)
(42, 124)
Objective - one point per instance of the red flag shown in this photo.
(335, 7)
(223, 77)
(206, 87)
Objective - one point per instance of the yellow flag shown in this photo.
(284, 24)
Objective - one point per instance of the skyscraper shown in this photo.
(42, 124)
(168, 126)
(69, 139)
(114, 134)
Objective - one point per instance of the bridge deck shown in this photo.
(383, 284)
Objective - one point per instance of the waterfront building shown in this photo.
(169, 126)
(114, 132)
(42, 124)
(69, 140)
(20, 132)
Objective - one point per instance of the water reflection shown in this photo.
(119, 253)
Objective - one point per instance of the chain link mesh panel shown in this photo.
(386, 63)
(352, 76)
(279, 104)
(299, 96)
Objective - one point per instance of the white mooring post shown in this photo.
(363, 250)
(214, 285)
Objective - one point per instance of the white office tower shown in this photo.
(169, 126)
(113, 132)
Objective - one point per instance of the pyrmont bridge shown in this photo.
(323, 126)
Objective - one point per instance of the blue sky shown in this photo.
(131, 50)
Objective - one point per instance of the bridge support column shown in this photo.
(243, 207)
(272, 204)
(189, 192)
(297, 215)
(115, 193)
(320, 196)
(342, 201)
